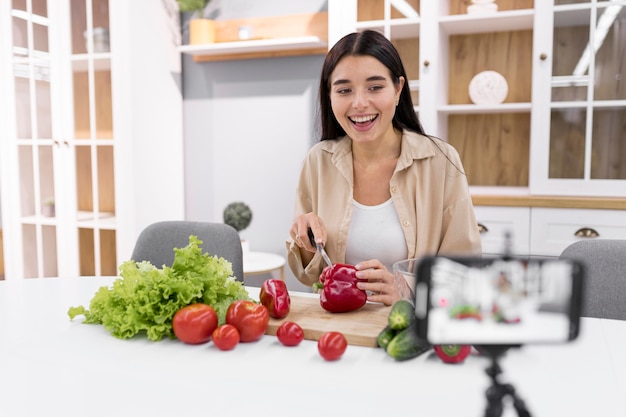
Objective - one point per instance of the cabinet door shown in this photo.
(59, 163)
(578, 122)
(495, 223)
(30, 149)
(552, 230)
(93, 137)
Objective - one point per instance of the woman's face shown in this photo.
(363, 97)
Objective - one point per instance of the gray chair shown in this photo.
(604, 288)
(157, 241)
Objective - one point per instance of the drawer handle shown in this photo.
(482, 228)
(586, 232)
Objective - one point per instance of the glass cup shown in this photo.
(404, 273)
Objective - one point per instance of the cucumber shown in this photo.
(406, 345)
(385, 336)
(402, 315)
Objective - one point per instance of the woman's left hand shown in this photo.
(380, 284)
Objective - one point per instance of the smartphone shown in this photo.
(497, 301)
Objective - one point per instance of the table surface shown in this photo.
(50, 365)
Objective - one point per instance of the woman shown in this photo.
(376, 189)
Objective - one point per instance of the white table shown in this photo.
(50, 365)
(255, 263)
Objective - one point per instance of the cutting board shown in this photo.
(361, 327)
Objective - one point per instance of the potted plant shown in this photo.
(201, 29)
(48, 208)
(238, 215)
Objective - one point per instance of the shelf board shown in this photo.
(506, 21)
(255, 46)
(482, 108)
(405, 28)
(101, 62)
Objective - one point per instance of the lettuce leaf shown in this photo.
(145, 298)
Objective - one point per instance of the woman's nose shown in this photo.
(359, 101)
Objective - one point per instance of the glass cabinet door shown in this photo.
(59, 149)
(33, 139)
(587, 133)
(93, 137)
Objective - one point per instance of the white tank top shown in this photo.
(375, 233)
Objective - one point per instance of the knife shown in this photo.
(319, 247)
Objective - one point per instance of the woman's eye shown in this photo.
(376, 87)
(343, 91)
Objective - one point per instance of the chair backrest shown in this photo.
(157, 241)
(604, 260)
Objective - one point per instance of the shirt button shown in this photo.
(394, 189)
(406, 223)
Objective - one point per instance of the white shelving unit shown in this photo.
(101, 133)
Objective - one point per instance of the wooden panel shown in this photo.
(494, 148)
(103, 100)
(509, 53)
(108, 253)
(86, 249)
(550, 201)
(361, 327)
(84, 190)
(308, 24)
(106, 179)
(460, 6)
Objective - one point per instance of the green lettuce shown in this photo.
(145, 298)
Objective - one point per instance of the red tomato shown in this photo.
(194, 323)
(226, 337)
(250, 318)
(290, 333)
(332, 345)
(452, 353)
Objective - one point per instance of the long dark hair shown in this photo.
(375, 44)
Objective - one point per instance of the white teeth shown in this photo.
(363, 119)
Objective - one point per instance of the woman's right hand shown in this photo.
(299, 231)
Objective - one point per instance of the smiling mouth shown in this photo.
(363, 120)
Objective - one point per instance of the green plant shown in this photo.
(196, 6)
(238, 215)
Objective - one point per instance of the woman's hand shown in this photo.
(299, 231)
(381, 283)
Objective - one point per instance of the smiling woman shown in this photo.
(376, 188)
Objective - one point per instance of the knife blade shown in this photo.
(319, 248)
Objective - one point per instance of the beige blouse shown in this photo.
(429, 191)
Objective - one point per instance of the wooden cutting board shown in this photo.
(361, 327)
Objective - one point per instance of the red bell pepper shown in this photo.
(339, 293)
(275, 297)
(452, 353)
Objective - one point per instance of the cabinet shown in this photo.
(93, 123)
(558, 135)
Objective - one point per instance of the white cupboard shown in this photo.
(92, 122)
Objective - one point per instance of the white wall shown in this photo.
(247, 127)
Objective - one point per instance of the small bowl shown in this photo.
(404, 273)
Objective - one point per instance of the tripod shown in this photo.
(498, 391)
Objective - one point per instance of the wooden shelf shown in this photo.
(220, 50)
(275, 36)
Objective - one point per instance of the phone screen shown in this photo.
(498, 301)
